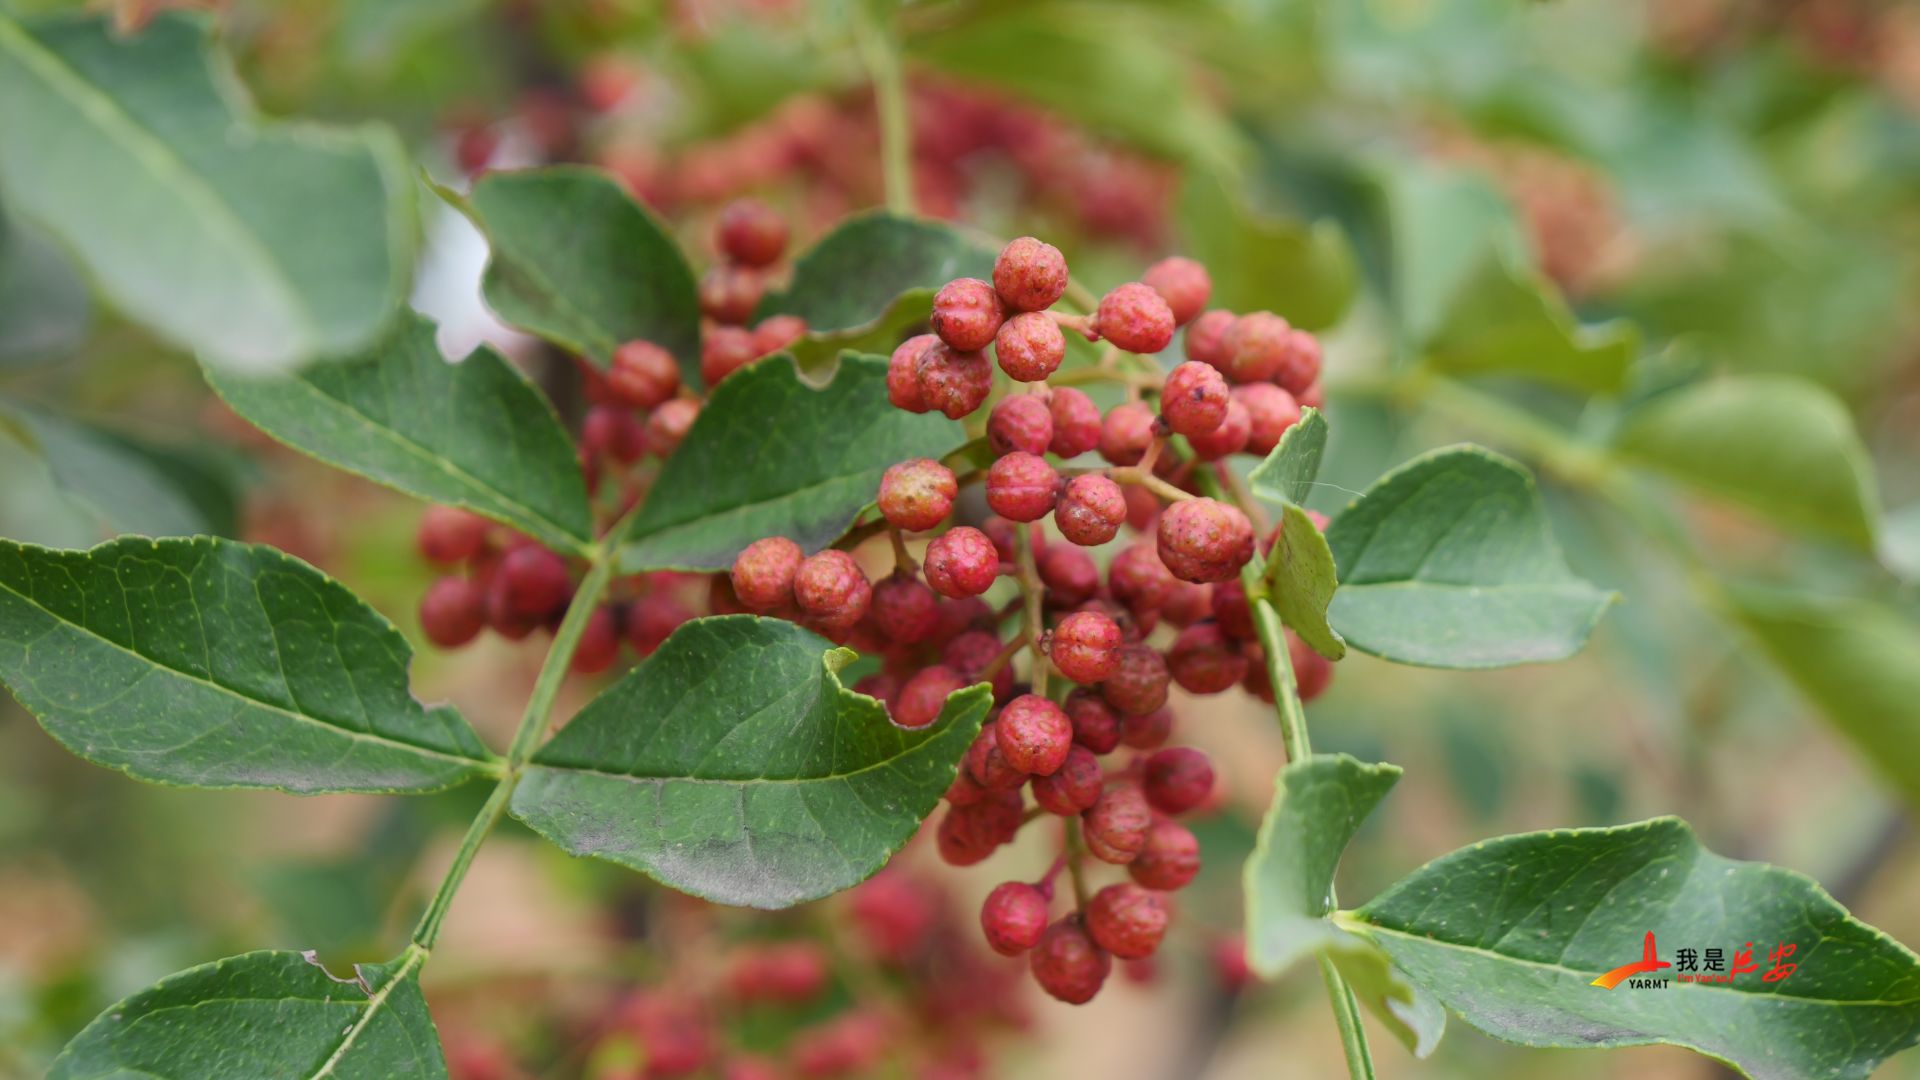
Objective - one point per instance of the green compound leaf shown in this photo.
(1855, 660)
(475, 434)
(577, 261)
(1447, 561)
(773, 456)
(733, 765)
(265, 1014)
(70, 484)
(260, 245)
(1777, 444)
(1508, 321)
(1287, 474)
(858, 272)
(1511, 934)
(209, 663)
(1301, 581)
(817, 350)
(45, 311)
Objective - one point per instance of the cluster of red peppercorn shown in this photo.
(1238, 391)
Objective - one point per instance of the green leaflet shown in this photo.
(70, 484)
(209, 663)
(1299, 573)
(1447, 561)
(1504, 320)
(733, 765)
(259, 245)
(1510, 933)
(475, 434)
(771, 455)
(265, 1014)
(1306, 271)
(1287, 474)
(45, 311)
(856, 274)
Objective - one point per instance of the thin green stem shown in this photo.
(1032, 591)
(1346, 1013)
(880, 52)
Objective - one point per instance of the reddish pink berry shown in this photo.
(988, 764)
(1014, 917)
(1207, 336)
(905, 609)
(1115, 827)
(1074, 786)
(449, 535)
(965, 790)
(750, 232)
(1204, 660)
(1178, 779)
(831, 587)
(535, 582)
(725, 350)
(643, 375)
(501, 617)
(652, 619)
(763, 574)
(1067, 964)
(1194, 399)
(1029, 347)
(453, 612)
(1090, 510)
(1020, 422)
(1068, 573)
(1230, 966)
(1169, 861)
(1229, 438)
(1299, 366)
(1085, 646)
(1138, 579)
(1096, 724)
(1313, 397)
(962, 562)
(917, 494)
(1127, 920)
(1034, 735)
(1076, 422)
(953, 382)
(1030, 274)
(1255, 347)
(972, 653)
(1231, 611)
(599, 643)
(1270, 412)
(903, 374)
(613, 431)
(669, 424)
(729, 293)
(1135, 318)
(1126, 433)
(1187, 603)
(777, 332)
(1183, 284)
(966, 314)
(1311, 671)
(969, 834)
(961, 614)
(924, 695)
(1146, 731)
(1143, 507)
(1139, 680)
(1022, 487)
(1203, 540)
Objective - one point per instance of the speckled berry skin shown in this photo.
(723, 351)
(917, 494)
(1204, 660)
(1270, 412)
(924, 695)
(1090, 510)
(763, 574)
(831, 587)
(1020, 422)
(1255, 346)
(1127, 920)
(1183, 284)
(967, 313)
(1231, 611)
(956, 383)
(1067, 964)
(1029, 347)
(643, 375)
(905, 609)
(1030, 274)
(1085, 646)
(1138, 579)
(729, 293)
(1229, 438)
(1146, 731)
(1187, 603)
(751, 233)
(1134, 318)
(776, 332)
(1170, 860)
(1299, 369)
(669, 424)
(1139, 681)
(1013, 917)
(988, 764)
(1194, 399)
(1076, 422)
(1070, 574)
(903, 374)
(1177, 779)
(972, 653)
(1022, 487)
(1096, 724)
(962, 562)
(1116, 826)
(1126, 433)
(453, 612)
(1073, 787)
(1206, 339)
(968, 834)
(1204, 540)
(1034, 735)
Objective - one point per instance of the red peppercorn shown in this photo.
(1270, 412)
(1115, 827)
(652, 619)
(725, 350)
(1204, 660)
(613, 431)
(1084, 646)
(763, 574)
(1096, 724)
(669, 424)
(1299, 367)
(962, 562)
(1146, 731)
(953, 382)
(643, 375)
(1169, 861)
(1076, 422)
(1029, 347)
(1177, 779)
(776, 333)
(1020, 422)
(904, 609)
(453, 612)
(1231, 611)
(449, 535)
(1206, 338)
(917, 494)
(1204, 540)
(1187, 603)
(1135, 318)
(903, 374)
(729, 293)
(1068, 573)
(831, 587)
(1255, 347)
(1138, 579)
(599, 643)
(1090, 510)
(1194, 399)
(1022, 487)
(750, 232)
(534, 582)
(1183, 284)
(1127, 920)
(1074, 786)
(988, 764)
(1229, 438)
(972, 653)
(1013, 917)
(1139, 680)
(1067, 964)
(1126, 433)
(1030, 274)
(967, 314)
(924, 695)
(1034, 735)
